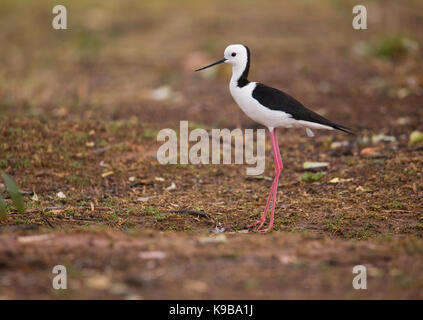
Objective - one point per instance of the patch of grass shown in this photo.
(149, 210)
(159, 217)
(88, 40)
(102, 144)
(15, 195)
(359, 235)
(289, 220)
(3, 208)
(113, 216)
(78, 181)
(395, 205)
(81, 136)
(391, 47)
(309, 177)
(3, 163)
(76, 164)
(337, 224)
(149, 134)
(410, 172)
(24, 163)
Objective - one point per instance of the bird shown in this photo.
(271, 108)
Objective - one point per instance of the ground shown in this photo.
(81, 109)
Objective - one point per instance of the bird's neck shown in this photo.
(240, 74)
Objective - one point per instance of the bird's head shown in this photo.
(235, 54)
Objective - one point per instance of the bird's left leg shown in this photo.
(278, 170)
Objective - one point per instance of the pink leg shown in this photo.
(278, 171)
(274, 188)
(264, 215)
(271, 193)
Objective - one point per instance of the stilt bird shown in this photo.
(272, 108)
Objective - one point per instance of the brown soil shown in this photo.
(78, 117)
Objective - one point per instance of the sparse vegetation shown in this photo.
(15, 195)
(80, 110)
(392, 46)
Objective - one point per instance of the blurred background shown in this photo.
(80, 110)
(122, 59)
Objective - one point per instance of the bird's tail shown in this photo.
(342, 128)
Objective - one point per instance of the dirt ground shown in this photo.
(80, 110)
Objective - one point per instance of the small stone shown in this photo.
(314, 165)
(402, 121)
(143, 199)
(98, 282)
(218, 230)
(220, 238)
(361, 189)
(415, 137)
(171, 187)
(381, 137)
(339, 144)
(370, 152)
(106, 174)
(61, 195)
(161, 93)
(338, 180)
(34, 197)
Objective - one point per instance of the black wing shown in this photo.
(275, 99)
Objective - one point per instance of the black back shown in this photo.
(275, 99)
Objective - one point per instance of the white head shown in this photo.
(236, 54)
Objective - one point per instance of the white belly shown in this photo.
(257, 112)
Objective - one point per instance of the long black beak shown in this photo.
(211, 65)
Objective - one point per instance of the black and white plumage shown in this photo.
(268, 106)
(272, 108)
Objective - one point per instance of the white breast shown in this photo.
(256, 111)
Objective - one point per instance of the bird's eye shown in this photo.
(233, 54)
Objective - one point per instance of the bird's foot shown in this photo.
(259, 228)
(265, 230)
(261, 221)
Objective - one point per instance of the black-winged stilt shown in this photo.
(271, 108)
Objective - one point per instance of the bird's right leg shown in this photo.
(264, 215)
(278, 170)
(272, 189)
